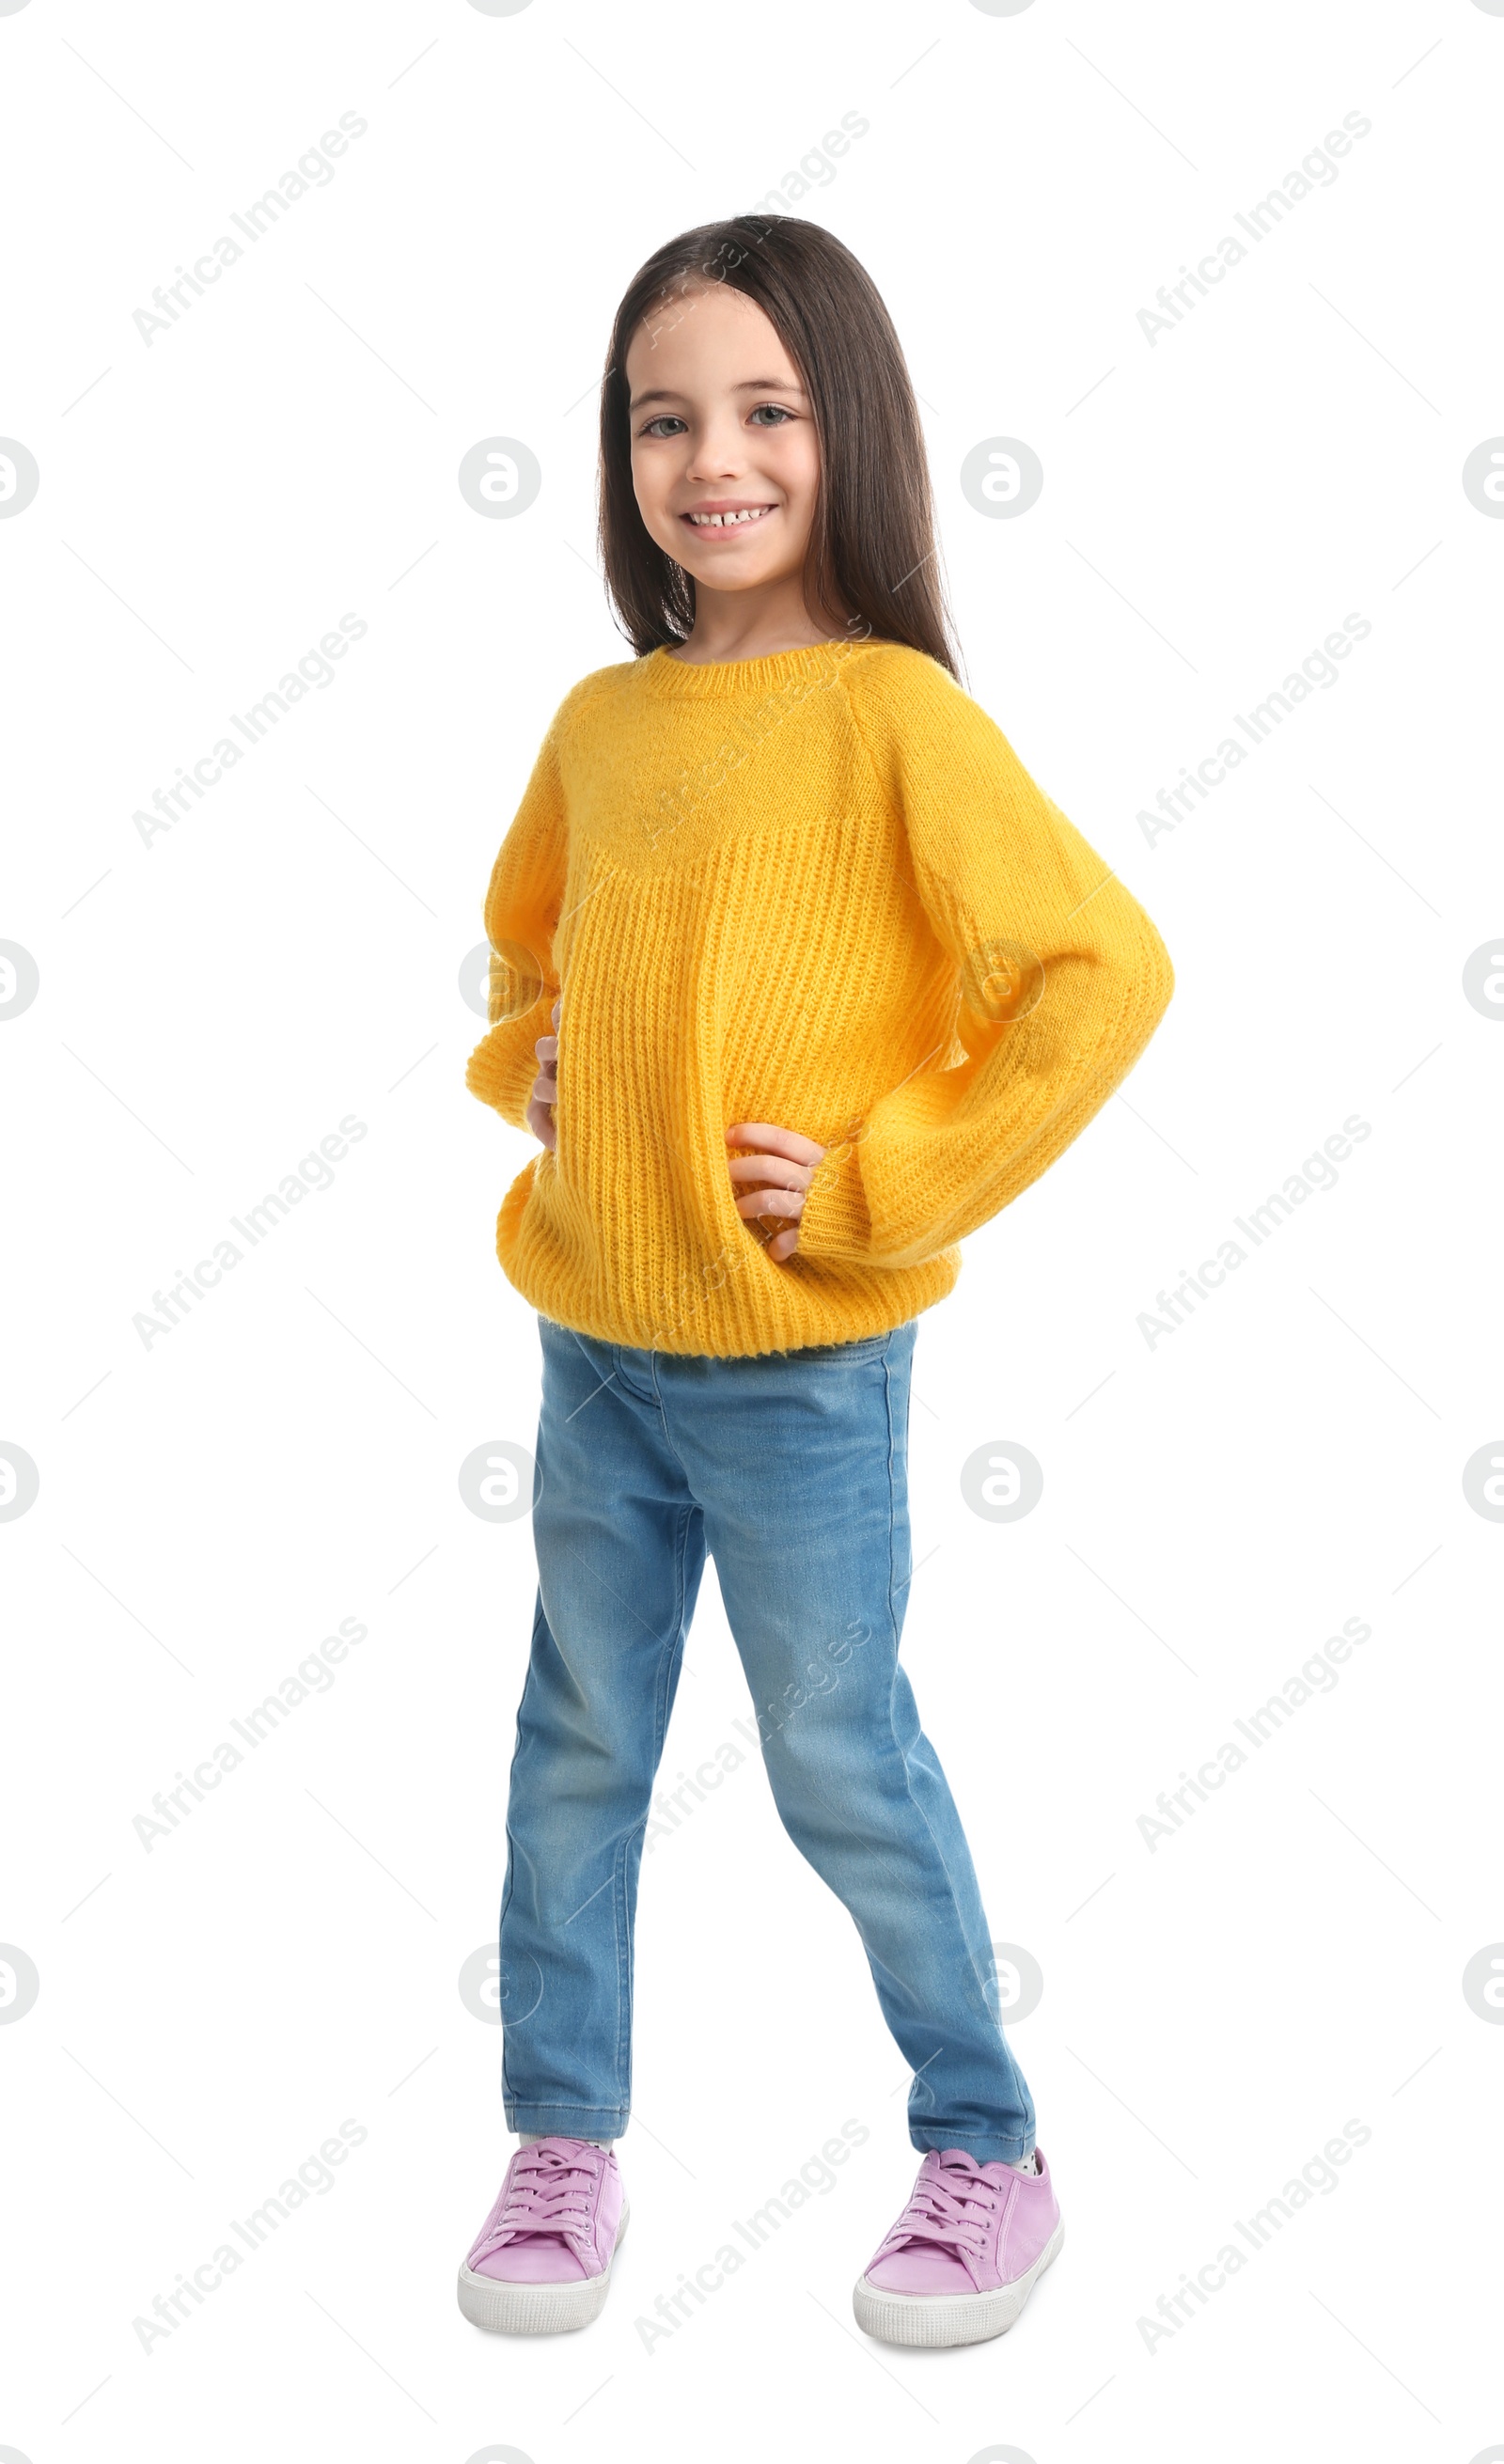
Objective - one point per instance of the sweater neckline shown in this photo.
(721, 679)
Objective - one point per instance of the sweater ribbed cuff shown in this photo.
(502, 1066)
(834, 1221)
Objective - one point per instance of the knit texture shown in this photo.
(818, 890)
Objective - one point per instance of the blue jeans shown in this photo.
(792, 1470)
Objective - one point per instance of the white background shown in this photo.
(211, 1004)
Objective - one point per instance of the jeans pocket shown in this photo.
(870, 1348)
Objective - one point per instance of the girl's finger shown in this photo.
(772, 1170)
(779, 1202)
(768, 1135)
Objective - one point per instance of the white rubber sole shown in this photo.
(535, 2309)
(961, 2318)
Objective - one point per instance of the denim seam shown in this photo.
(897, 1747)
(507, 1890)
(623, 1981)
(566, 2104)
(662, 1418)
(973, 2140)
(618, 1373)
(666, 1660)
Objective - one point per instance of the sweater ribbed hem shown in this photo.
(766, 1307)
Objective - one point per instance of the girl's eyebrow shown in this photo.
(749, 385)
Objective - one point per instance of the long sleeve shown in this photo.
(522, 907)
(1059, 980)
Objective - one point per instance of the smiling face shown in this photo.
(725, 458)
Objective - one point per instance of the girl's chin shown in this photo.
(736, 568)
(732, 572)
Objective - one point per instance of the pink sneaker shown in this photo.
(964, 2255)
(541, 2261)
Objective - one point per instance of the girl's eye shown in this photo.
(777, 417)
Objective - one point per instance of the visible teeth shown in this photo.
(723, 521)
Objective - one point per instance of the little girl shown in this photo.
(831, 981)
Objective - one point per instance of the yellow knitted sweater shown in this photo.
(819, 889)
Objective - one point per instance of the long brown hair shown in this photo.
(873, 555)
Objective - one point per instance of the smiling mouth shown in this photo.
(744, 520)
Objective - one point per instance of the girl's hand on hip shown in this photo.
(771, 1175)
(545, 1086)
